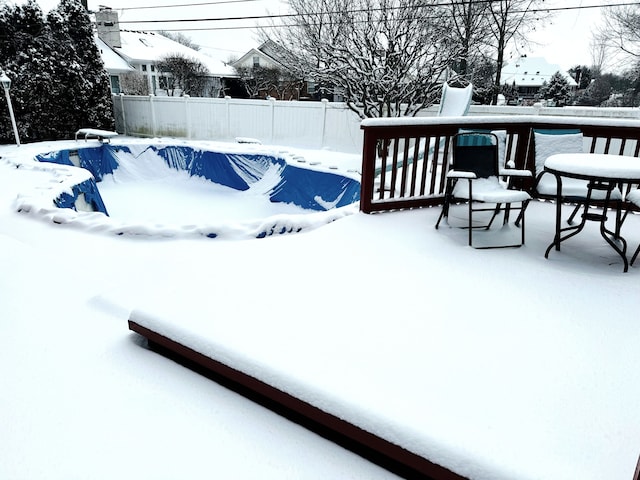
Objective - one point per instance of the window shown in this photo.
(256, 61)
(153, 68)
(144, 68)
(115, 84)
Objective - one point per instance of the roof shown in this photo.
(147, 47)
(113, 62)
(273, 50)
(532, 72)
(255, 52)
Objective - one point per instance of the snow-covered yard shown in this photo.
(497, 364)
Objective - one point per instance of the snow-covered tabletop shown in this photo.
(595, 165)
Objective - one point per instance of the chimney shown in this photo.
(108, 26)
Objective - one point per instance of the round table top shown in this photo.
(594, 165)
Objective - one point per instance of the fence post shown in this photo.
(187, 115)
(227, 123)
(152, 108)
(124, 116)
(325, 103)
(273, 117)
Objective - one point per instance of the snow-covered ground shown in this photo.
(495, 363)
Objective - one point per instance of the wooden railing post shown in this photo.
(369, 155)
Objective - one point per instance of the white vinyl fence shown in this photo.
(317, 125)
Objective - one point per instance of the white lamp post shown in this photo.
(6, 84)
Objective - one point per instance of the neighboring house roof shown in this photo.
(145, 47)
(265, 59)
(273, 50)
(532, 72)
(113, 62)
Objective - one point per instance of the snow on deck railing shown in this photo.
(405, 160)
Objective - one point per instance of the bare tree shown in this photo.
(511, 20)
(616, 43)
(258, 81)
(619, 34)
(387, 57)
(470, 22)
(134, 83)
(180, 38)
(599, 54)
(289, 86)
(178, 72)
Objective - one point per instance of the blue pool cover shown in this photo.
(307, 188)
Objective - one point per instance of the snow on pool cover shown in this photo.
(180, 190)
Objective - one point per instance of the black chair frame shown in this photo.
(472, 160)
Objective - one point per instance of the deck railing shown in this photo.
(405, 160)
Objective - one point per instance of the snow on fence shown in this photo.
(324, 125)
(301, 124)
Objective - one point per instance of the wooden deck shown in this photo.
(377, 450)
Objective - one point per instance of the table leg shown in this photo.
(573, 229)
(556, 236)
(610, 236)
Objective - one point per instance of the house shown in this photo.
(528, 74)
(268, 58)
(263, 56)
(141, 51)
(114, 64)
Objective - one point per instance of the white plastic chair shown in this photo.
(454, 101)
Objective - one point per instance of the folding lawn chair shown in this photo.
(476, 178)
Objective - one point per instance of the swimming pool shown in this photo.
(297, 197)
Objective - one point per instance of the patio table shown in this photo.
(602, 172)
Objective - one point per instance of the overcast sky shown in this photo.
(566, 37)
(564, 40)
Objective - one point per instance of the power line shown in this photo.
(293, 24)
(220, 2)
(293, 15)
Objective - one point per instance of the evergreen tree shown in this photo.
(86, 99)
(26, 55)
(59, 81)
(582, 75)
(557, 90)
(510, 93)
(480, 73)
